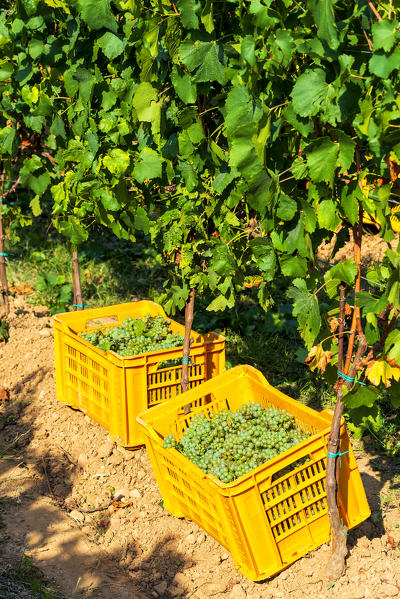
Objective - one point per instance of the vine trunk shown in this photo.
(78, 299)
(187, 342)
(4, 304)
(336, 565)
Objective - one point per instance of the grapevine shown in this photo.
(230, 444)
(135, 336)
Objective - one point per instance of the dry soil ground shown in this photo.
(67, 463)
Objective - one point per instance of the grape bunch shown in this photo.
(135, 336)
(229, 444)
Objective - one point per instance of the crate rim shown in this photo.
(209, 338)
(206, 387)
(185, 398)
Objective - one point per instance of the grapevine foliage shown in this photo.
(239, 135)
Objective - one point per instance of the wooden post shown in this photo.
(336, 564)
(4, 304)
(187, 342)
(78, 299)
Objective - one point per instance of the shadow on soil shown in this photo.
(34, 516)
(33, 491)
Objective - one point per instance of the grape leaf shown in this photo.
(116, 161)
(143, 98)
(395, 395)
(326, 214)
(188, 10)
(392, 345)
(149, 167)
(309, 92)
(218, 304)
(142, 222)
(6, 70)
(74, 231)
(384, 33)
(189, 175)
(346, 150)
(112, 45)
(321, 159)
(207, 16)
(343, 271)
(318, 358)
(264, 256)
(182, 82)
(247, 49)
(96, 14)
(361, 396)
(379, 371)
(294, 237)
(205, 57)
(349, 202)
(222, 180)
(324, 17)
(306, 309)
(293, 266)
(287, 207)
(382, 65)
(222, 261)
(240, 113)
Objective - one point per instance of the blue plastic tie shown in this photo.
(188, 361)
(79, 306)
(3, 254)
(337, 455)
(349, 379)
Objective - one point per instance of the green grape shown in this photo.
(230, 444)
(135, 336)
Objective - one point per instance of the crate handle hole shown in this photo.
(101, 321)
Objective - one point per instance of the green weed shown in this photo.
(33, 578)
(53, 291)
(4, 330)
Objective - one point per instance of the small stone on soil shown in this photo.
(77, 516)
(161, 587)
(45, 332)
(105, 449)
(224, 556)
(389, 590)
(237, 592)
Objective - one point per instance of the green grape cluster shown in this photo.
(135, 336)
(230, 444)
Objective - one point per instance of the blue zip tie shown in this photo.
(349, 379)
(79, 306)
(3, 254)
(188, 361)
(337, 455)
(344, 528)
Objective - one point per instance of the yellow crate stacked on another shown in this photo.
(276, 513)
(113, 390)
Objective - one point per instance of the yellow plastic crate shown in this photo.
(113, 390)
(276, 513)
